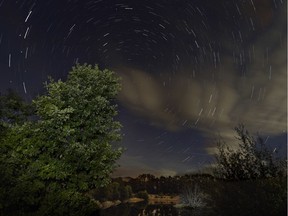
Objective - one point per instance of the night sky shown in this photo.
(191, 69)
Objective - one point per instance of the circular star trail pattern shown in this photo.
(190, 69)
(144, 34)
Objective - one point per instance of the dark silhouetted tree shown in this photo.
(251, 160)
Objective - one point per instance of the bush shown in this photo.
(143, 195)
(193, 197)
(251, 160)
(125, 192)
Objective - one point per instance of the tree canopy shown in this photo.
(68, 150)
(13, 110)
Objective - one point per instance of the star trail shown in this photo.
(190, 70)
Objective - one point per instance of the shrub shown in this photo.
(125, 192)
(251, 160)
(143, 195)
(193, 197)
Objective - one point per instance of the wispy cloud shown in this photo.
(215, 104)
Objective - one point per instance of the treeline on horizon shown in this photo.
(258, 197)
(123, 188)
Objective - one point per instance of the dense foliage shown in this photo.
(113, 191)
(142, 195)
(251, 160)
(13, 110)
(47, 165)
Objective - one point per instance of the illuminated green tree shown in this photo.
(68, 150)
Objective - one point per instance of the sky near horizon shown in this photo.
(191, 70)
